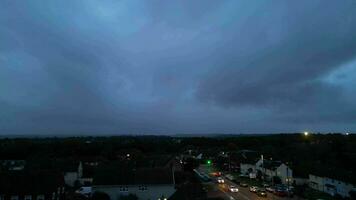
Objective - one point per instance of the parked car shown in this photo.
(270, 189)
(262, 192)
(220, 180)
(265, 185)
(280, 192)
(86, 191)
(253, 189)
(233, 188)
(243, 185)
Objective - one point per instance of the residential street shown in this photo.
(243, 193)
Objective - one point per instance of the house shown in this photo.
(72, 170)
(331, 186)
(270, 169)
(300, 181)
(247, 168)
(87, 175)
(300, 175)
(42, 185)
(12, 165)
(247, 160)
(145, 183)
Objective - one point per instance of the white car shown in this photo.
(253, 189)
(86, 191)
(221, 180)
(270, 189)
(233, 188)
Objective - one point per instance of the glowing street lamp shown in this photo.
(347, 133)
(306, 133)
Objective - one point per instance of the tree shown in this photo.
(259, 175)
(190, 164)
(352, 195)
(232, 147)
(277, 180)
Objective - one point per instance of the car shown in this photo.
(270, 189)
(261, 192)
(280, 192)
(243, 185)
(265, 185)
(216, 174)
(253, 189)
(86, 191)
(233, 188)
(220, 180)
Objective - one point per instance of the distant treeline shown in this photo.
(321, 152)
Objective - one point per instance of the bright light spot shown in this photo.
(347, 133)
(306, 133)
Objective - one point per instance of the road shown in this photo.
(242, 194)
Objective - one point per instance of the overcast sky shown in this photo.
(164, 67)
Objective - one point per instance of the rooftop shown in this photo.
(40, 182)
(124, 175)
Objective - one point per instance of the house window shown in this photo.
(124, 189)
(142, 187)
(40, 197)
(28, 197)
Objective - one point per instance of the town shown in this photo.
(276, 166)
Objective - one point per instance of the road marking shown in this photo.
(227, 194)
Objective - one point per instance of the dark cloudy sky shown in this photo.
(158, 66)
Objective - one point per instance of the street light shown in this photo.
(347, 133)
(306, 133)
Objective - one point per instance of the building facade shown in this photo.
(145, 183)
(32, 186)
(143, 192)
(331, 186)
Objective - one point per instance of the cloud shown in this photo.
(287, 73)
(204, 66)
